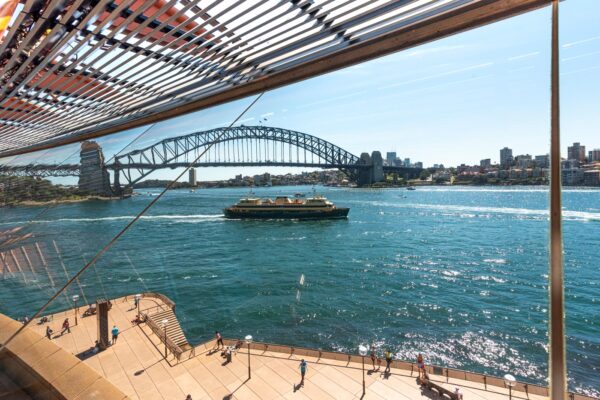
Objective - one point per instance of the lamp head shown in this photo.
(248, 339)
(362, 350)
(510, 380)
(75, 297)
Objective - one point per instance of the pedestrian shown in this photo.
(136, 301)
(188, 397)
(388, 360)
(49, 332)
(219, 340)
(373, 356)
(303, 367)
(66, 327)
(420, 366)
(115, 334)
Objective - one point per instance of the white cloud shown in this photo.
(526, 55)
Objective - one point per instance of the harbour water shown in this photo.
(458, 274)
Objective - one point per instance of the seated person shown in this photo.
(43, 320)
(137, 320)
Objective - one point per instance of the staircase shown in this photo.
(174, 331)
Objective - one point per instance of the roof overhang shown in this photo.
(84, 75)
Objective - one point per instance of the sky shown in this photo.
(456, 100)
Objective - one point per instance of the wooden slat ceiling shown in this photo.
(78, 69)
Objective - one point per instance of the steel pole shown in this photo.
(249, 375)
(76, 312)
(363, 368)
(165, 342)
(557, 359)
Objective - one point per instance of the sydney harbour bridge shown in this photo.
(228, 147)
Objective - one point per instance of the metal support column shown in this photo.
(557, 361)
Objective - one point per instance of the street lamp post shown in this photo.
(164, 325)
(137, 302)
(75, 297)
(248, 339)
(362, 350)
(510, 381)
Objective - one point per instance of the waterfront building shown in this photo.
(576, 152)
(485, 163)
(192, 177)
(542, 161)
(506, 157)
(406, 163)
(591, 177)
(418, 164)
(572, 176)
(390, 157)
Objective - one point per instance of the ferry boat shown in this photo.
(317, 207)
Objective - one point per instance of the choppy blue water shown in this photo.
(459, 274)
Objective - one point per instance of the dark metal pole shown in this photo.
(76, 312)
(363, 367)
(249, 375)
(165, 342)
(557, 359)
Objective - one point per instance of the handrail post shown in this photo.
(557, 357)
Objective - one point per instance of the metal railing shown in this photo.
(438, 371)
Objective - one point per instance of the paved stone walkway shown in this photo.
(136, 365)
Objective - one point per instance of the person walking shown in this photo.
(388, 360)
(115, 334)
(66, 327)
(49, 333)
(219, 340)
(303, 368)
(373, 356)
(421, 366)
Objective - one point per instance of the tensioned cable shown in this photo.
(126, 227)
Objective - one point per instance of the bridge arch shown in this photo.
(236, 146)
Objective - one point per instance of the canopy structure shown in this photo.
(76, 69)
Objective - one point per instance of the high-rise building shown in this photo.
(390, 157)
(406, 162)
(506, 157)
(594, 155)
(486, 163)
(576, 152)
(192, 177)
(418, 164)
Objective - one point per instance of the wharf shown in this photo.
(136, 365)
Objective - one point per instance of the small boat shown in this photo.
(316, 207)
(298, 195)
(411, 188)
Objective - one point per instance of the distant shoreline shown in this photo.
(33, 203)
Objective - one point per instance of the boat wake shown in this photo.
(471, 211)
(193, 218)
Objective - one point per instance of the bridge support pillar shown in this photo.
(93, 176)
(365, 174)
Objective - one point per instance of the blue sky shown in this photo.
(455, 100)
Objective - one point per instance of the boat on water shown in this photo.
(317, 207)
(411, 188)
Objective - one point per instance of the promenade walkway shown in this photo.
(136, 365)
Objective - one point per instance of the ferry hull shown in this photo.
(235, 213)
